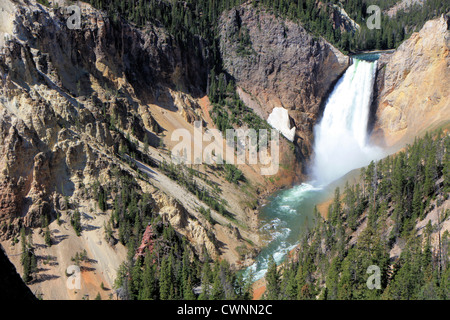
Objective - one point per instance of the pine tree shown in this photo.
(148, 291)
(446, 165)
(26, 263)
(288, 287)
(75, 221)
(206, 280)
(217, 292)
(47, 237)
(188, 291)
(101, 199)
(166, 280)
(430, 169)
(273, 280)
(332, 279)
(417, 208)
(136, 281)
(336, 207)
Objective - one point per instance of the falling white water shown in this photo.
(341, 136)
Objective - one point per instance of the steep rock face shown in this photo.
(57, 89)
(72, 100)
(342, 20)
(69, 101)
(414, 85)
(76, 107)
(109, 53)
(180, 219)
(277, 63)
(19, 147)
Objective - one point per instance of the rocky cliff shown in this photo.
(277, 63)
(413, 85)
(75, 106)
(58, 88)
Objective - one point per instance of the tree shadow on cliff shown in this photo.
(86, 216)
(46, 258)
(89, 227)
(44, 277)
(58, 239)
(221, 246)
(90, 260)
(86, 269)
(144, 168)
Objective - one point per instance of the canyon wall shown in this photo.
(70, 101)
(414, 85)
(277, 63)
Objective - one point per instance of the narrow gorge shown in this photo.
(90, 117)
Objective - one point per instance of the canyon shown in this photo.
(71, 100)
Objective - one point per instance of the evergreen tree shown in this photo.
(206, 281)
(273, 280)
(75, 221)
(149, 285)
(47, 237)
(166, 280)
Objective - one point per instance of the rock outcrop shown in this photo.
(342, 20)
(147, 242)
(414, 85)
(277, 63)
(172, 211)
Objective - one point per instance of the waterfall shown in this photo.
(341, 136)
(340, 146)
